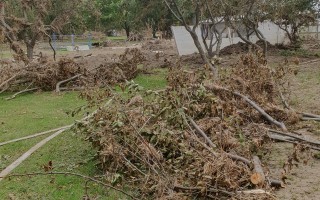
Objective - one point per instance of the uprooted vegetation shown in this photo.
(45, 75)
(198, 138)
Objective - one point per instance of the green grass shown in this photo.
(299, 53)
(32, 113)
(117, 38)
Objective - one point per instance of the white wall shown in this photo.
(186, 46)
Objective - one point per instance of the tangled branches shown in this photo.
(49, 75)
(147, 142)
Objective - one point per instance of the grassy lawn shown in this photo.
(32, 113)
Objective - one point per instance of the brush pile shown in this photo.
(45, 75)
(193, 140)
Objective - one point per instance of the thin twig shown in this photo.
(69, 174)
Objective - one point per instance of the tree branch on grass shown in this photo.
(21, 92)
(33, 136)
(69, 174)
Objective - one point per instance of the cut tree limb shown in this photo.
(21, 92)
(253, 104)
(310, 115)
(285, 139)
(313, 142)
(258, 177)
(70, 174)
(65, 81)
(231, 156)
(16, 163)
(8, 80)
(198, 129)
(310, 119)
(34, 135)
(276, 183)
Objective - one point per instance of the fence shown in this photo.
(70, 42)
(311, 31)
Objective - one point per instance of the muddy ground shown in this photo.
(304, 181)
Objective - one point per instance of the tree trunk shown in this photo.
(127, 29)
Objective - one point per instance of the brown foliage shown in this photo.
(150, 147)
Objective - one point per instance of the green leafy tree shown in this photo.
(28, 21)
(291, 15)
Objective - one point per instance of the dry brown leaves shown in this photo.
(145, 143)
(44, 74)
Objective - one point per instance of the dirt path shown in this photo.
(303, 182)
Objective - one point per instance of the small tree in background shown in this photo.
(291, 15)
(28, 21)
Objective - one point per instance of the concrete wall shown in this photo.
(186, 46)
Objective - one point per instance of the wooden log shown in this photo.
(258, 177)
(276, 183)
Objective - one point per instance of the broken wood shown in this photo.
(65, 81)
(70, 174)
(253, 104)
(310, 115)
(16, 163)
(34, 135)
(231, 156)
(198, 129)
(258, 177)
(276, 183)
(310, 119)
(290, 140)
(8, 80)
(21, 92)
(313, 142)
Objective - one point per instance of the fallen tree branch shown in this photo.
(198, 129)
(65, 81)
(314, 142)
(276, 183)
(21, 92)
(70, 174)
(253, 104)
(232, 156)
(179, 187)
(8, 80)
(310, 115)
(288, 140)
(258, 177)
(16, 163)
(34, 135)
(310, 119)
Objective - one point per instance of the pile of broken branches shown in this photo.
(196, 138)
(45, 75)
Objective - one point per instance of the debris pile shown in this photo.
(198, 138)
(49, 75)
